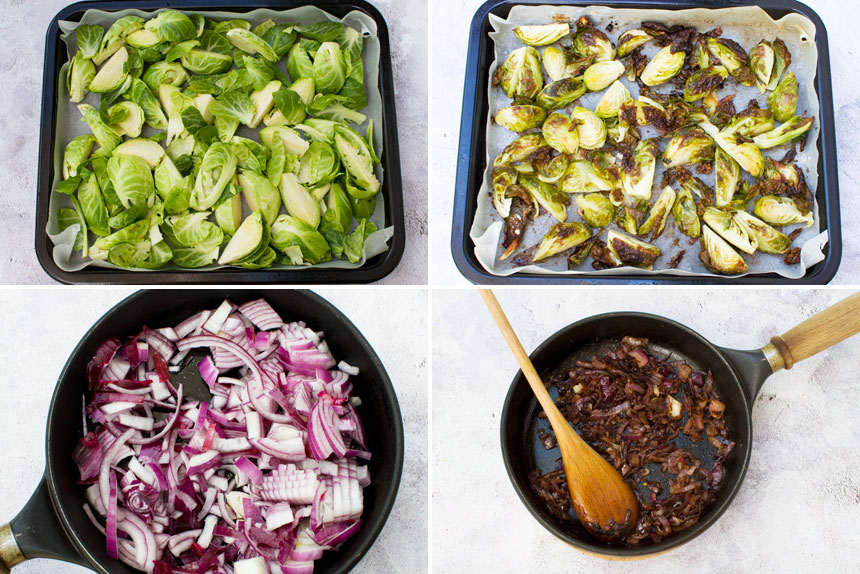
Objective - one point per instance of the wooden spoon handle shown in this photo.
(521, 356)
(820, 331)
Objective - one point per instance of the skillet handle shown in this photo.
(818, 333)
(35, 533)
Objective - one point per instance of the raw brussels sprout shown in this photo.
(595, 209)
(519, 118)
(561, 237)
(148, 150)
(89, 39)
(76, 154)
(781, 211)
(112, 74)
(637, 176)
(789, 131)
(688, 147)
(338, 213)
(631, 251)
(659, 214)
(521, 76)
(631, 40)
(555, 63)
(216, 170)
(718, 256)
(331, 107)
(131, 178)
(93, 206)
(590, 128)
(703, 82)
(783, 100)
(583, 177)
(206, 62)
(541, 35)
(546, 195)
(611, 101)
(289, 231)
(160, 73)
(260, 195)
(172, 26)
(761, 63)
(235, 105)
(250, 43)
(132, 123)
(115, 37)
(520, 149)
(550, 169)
(356, 158)
(665, 65)
(330, 69)
(248, 243)
(503, 176)
(733, 57)
(298, 201)
(299, 64)
(263, 101)
(588, 41)
(228, 215)
(728, 174)
(134, 233)
(766, 238)
(194, 230)
(561, 93)
(782, 59)
(751, 122)
(600, 75)
(292, 141)
(685, 214)
(319, 165)
(80, 75)
(724, 224)
(152, 112)
(746, 154)
(560, 133)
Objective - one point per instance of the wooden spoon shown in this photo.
(604, 503)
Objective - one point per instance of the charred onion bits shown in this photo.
(262, 478)
(645, 415)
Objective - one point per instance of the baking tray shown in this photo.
(471, 156)
(374, 269)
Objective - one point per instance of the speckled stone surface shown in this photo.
(44, 325)
(23, 27)
(797, 510)
(451, 21)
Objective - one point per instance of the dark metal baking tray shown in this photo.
(374, 269)
(471, 157)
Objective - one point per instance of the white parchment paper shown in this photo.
(68, 125)
(747, 26)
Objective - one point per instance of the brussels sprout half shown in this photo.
(718, 256)
(728, 228)
(520, 117)
(665, 65)
(600, 75)
(783, 100)
(541, 35)
(595, 209)
(561, 237)
(781, 211)
(631, 251)
(659, 214)
(520, 76)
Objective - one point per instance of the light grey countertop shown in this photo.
(23, 28)
(798, 509)
(451, 23)
(44, 325)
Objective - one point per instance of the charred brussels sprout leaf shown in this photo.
(550, 169)
(595, 209)
(546, 195)
(560, 133)
(783, 100)
(782, 59)
(503, 176)
(631, 40)
(520, 76)
(665, 65)
(761, 63)
(560, 238)
(747, 154)
(781, 211)
(561, 93)
(519, 118)
(588, 41)
(685, 214)
(733, 57)
(703, 82)
(541, 35)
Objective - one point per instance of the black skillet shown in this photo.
(53, 525)
(738, 375)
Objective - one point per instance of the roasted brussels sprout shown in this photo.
(746, 154)
(520, 149)
(703, 82)
(768, 239)
(579, 253)
(700, 57)
(659, 214)
(733, 57)
(685, 214)
(600, 75)
(561, 93)
(782, 59)
(728, 174)
(637, 175)
(665, 65)
(550, 169)
(783, 100)
(503, 176)
(555, 63)
(588, 41)
(520, 76)
(560, 133)
(724, 224)
(631, 251)
(583, 177)
(761, 63)
(627, 217)
(610, 103)
(595, 209)
(561, 237)
(718, 256)
(643, 111)
(750, 122)
(780, 211)
(630, 40)
(519, 118)
(789, 131)
(689, 147)
(541, 35)
(522, 207)
(546, 195)
(590, 128)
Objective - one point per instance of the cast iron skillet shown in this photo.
(53, 525)
(738, 376)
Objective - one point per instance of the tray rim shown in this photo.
(384, 263)
(827, 192)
